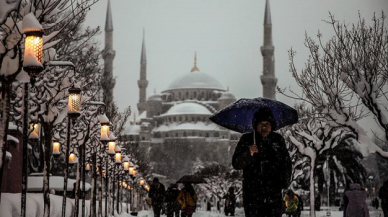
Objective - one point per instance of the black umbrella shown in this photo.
(191, 179)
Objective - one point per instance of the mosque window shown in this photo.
(174, 119)
(202, 95)
(143, 138)
(187, 94)
(195, 94)
(179, 95)
(176, 134)
(184, 134)
(180, 119)
(192, 119)
(207, 135)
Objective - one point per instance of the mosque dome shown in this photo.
(195, 80)
(132, 130)
(188, 108)
(155, 97)
(227, 95)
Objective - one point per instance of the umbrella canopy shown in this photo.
(238, 116)
(191, 179)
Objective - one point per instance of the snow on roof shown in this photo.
(11, 138)
(227, 95)
(35, 183)
(187, 108)
(141, 116)
(158, 175)
(132, 130)
(155, 97)
(194, 81)
(187, 126)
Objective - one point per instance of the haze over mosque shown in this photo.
(173, 127)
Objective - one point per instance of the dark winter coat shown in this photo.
(157, 194)
(357, 206)
(265, 173)
(171, 198)
(230, 202)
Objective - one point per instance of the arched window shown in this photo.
(184, 134)
(179, 95)
(207, 135)
(180, 119)
(174, 119)
(195, 94)
(187, 94)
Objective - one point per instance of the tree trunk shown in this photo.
(93, 190)
(78, 182)
(5, 108)
(100, 194)
(312, 189)
(46, 168)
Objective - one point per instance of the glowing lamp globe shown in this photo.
(72, 158)
(33, 52)
(74, 103)
(56, 148)
(35, 134)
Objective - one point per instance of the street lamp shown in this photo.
(35, 131)
(142, 182)
(87, 168)
(104, 121)
(134, 172)
(118, 155)
(74, 103)
(33, 53)
(56, 147)
(126, 163)
(130, 169)
(72, 158)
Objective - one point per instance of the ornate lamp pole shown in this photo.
(32, 64)
(74, 111)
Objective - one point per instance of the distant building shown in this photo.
(173, 127)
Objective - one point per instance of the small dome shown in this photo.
(187, 108)
(132, 130)
(155, 97)
(227, 95)
(196, 80)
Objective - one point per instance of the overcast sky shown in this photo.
(227, 35)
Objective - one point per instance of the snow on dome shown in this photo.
(155, 97)
(227, 95)
(30, 23)
(194, 81)
(187, 108)
(187, 126)
(132, 130)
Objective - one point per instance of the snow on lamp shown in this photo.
(118, 155)
(35, 131)
(33, 52)
(74, 103)
(56, 147)
(104, 121)
(126, 163)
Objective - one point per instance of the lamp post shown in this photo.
(370, 178)
(74, 111)
(117, 162)
(112, 140)
(32, 64)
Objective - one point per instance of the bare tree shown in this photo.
(345, 79)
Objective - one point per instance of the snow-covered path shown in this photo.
(10, 206)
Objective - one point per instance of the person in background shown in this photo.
(292, 203)
(156, 194)
(266, 165)
(188, 199)
(357, 206)
(230, 202)
(383, 195)
(171, 200)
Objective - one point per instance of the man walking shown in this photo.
(266, 167)
(157, 195)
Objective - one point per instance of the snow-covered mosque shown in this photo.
(173, 127)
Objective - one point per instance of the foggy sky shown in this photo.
(227, 35)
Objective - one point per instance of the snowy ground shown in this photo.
(10, 206)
